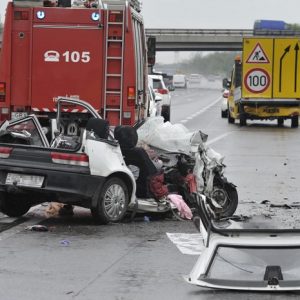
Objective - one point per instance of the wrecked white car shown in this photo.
(106, 171)
(245, 254)
(86, 170)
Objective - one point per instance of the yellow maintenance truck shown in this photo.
(265, 83)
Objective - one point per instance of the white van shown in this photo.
(179, 81)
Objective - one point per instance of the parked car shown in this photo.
(224, 106)
(179, 81)
(167, 78)
(159, 87)
(154, 108)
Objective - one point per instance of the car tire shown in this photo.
(229, 117)
(166, 114)
(229, 203)
(112, 202)
(13, 205)
(295, 122)
(243, 120)
(224, 113)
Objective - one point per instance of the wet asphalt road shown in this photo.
(76, 259)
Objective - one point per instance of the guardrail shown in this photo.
(200, 32)
(221, 32)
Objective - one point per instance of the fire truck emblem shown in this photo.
(40, 14)
(51, 56)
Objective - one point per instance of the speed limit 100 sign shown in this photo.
(257, 80)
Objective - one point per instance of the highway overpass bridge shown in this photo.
(208, 39)
(198, 39)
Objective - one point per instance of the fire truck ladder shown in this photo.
(114, 34)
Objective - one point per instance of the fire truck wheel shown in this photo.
(295, 122)
(13, 205)
(112, 203)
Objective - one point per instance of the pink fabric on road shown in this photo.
(184, 210)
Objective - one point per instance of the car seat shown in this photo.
(136, 156)
(99, 126)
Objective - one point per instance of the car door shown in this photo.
(27, 131)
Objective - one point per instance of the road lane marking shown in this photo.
(201, 111)
(216, 139)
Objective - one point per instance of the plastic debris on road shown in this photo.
(37, 228)
(187, 243)
(65, 242)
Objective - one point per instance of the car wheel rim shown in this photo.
(114, 201)
(221, 197)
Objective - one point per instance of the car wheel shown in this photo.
(227, 199)
(280, 122)
(166, 114)
(112, 202)
(295, 122)
(243, 120)
(224, 113)
(229, 118)
(13, 205)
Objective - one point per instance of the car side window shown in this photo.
(157, 84)
(29, 130)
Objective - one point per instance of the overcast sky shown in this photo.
(219, 14)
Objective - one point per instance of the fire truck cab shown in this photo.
(92, 52)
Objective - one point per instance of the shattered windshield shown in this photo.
(255, 266)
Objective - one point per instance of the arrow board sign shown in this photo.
(258, 56)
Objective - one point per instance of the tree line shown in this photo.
(215, 63)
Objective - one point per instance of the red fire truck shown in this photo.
(97, 54)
